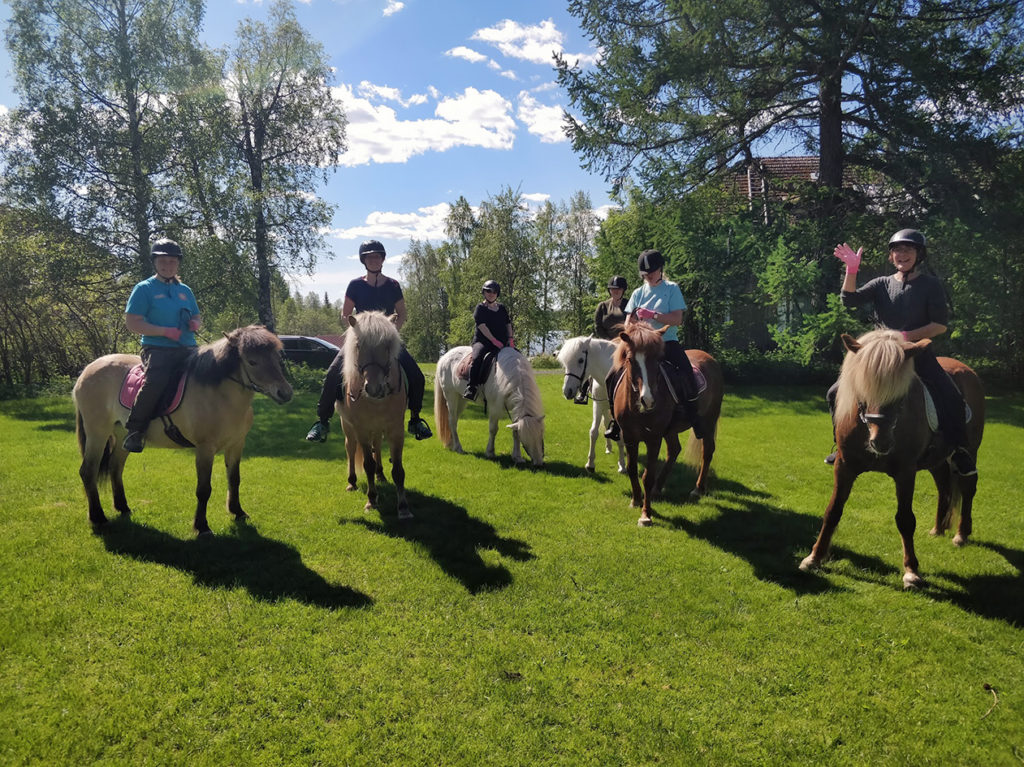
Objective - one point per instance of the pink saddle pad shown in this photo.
(133, 382)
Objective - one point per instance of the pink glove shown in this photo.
(499, 344)
(645, 314)
(172, 333)
(852, 260)
(193, 325)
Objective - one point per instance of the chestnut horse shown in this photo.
(215, 415)
(373, 403)
(882, 425)
(645, 411)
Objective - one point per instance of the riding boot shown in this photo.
(610, 382)
(688, 410)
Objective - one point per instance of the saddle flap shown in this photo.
(169, 401)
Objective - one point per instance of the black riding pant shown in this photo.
(329, 393)
(477, 355)
(161, 364)
(949, 402)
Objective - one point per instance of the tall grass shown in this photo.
(521, 618)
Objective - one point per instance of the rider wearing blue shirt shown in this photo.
(164, 312)
(660, 303)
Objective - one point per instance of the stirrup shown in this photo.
(613, 432)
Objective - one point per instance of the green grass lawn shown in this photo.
(521, 618)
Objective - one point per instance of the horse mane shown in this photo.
(571, 348)
(645, 339)
(217, 361)
(523, 391)
(374, 329)
(879, 373)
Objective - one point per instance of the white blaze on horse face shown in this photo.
(646, 392)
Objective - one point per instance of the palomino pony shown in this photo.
(511, 387)
(645, 411)
(584, 358)
(373, 404)
(882, 425)
(215, 415)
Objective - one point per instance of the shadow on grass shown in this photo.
(990, 596)
(54, 414)
(554, 468)
(267, 569)
(453, 539)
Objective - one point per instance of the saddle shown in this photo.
(486, 364)
(170, 400)
(931, 410)
(677, 383)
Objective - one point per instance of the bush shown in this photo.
(545, 362)
(303, 377)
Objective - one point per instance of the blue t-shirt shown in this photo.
(663, 298)
(161, 303)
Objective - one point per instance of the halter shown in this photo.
(386, 369)
(582, 394)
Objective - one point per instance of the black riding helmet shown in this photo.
(650, 261)
(492, 285)
(617, 281)
(165, 247)
(370, 246)
(911, 237)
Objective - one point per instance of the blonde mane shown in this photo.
(523, 394)
(878, 374)
(373, 331)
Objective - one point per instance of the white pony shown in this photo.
(582, 358)
(511, 387)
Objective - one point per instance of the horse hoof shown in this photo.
(959, 540)
(204, 533)
(809, 564)
(934, 532)
(241, 517)
(622, 470)
(644, 522)
(404, 514)
(912, 581)
(588, 466)
(370, 506)
(350, 488)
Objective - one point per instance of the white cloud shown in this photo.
(384, 93)
(543, 121)
(393, 7)
(377, 134)
(536, 44)
(462, 52)
(537, 198)
(426, 223)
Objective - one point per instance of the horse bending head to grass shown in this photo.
(881, 424)
(646, 412)
(374, 403)
(215, 415)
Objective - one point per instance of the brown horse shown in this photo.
(645, 411)
(882, 425)
(373, 405)
(215, 415)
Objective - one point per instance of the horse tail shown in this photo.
(693, 453)
(952, 511)
(444, 430)
(103, 471)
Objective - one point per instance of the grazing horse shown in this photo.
(511, 387)
(215, 415)
(646, 412)
(584, 358)
(881, 424)
(373, 403)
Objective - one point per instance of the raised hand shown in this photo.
(847, 255)
(645, 313)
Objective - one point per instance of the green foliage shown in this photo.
(522, 617)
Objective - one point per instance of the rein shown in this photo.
(386, 369)
(582, 394)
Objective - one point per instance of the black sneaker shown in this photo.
(963, 462)
(419, 428)
(135, 441)
(830, 458)
(319, 432)
(613, 432)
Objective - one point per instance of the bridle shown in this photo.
(389, 389)
(582, 392)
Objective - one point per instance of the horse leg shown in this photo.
(707, 452)
(595, 426)
(370, 469)
(841, 487)
(517, 456)
(632, 459)
(650, 471)
(89, 470)
(397, 443)
(378, 459)
(204, 469)
(492, 426)
(672, 453)
(351, 446)
(905, 523)
(455, 407)
(944, 487)
(232, 462)
(118, 457)
(968, 487)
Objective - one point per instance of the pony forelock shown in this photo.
(373, 330)
(878, 374)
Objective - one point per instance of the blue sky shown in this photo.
(444, 98)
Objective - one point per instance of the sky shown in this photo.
(444, 98)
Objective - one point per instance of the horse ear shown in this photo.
(662, 330)
(352, 320)
(623, 336)
(850, 343)
(394, 318)
(514, 426)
